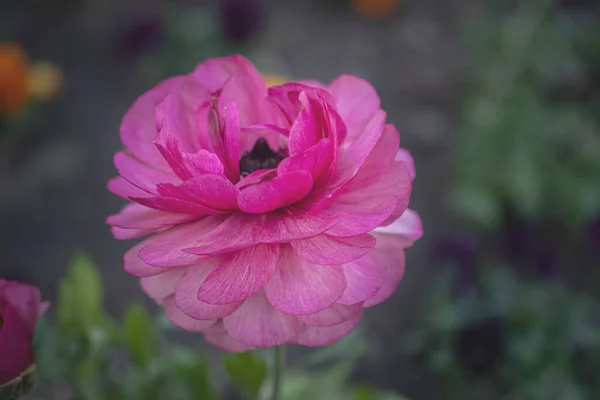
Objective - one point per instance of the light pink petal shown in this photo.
(364, 278)
(126, 234)
(300, 288)
(408, 226)
(136, 216)
(138, 128)
(353, 154)
(124, 189)
(258, 324)
(212, 191)
(174, 205)
(239, 274)
(165, 249)
(356, 218)
(251, 104)
(276, 193)
(161, 286)
(356, 101)
(136, 267)
(244, 230)
(404, 156)
(334, 315)
(141, 175)
(186, 294)
(215, 72)
(390, 253)
(177, 317)
(218, 336)
(325, 249)
(313, 336)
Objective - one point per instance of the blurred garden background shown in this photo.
(497, 100)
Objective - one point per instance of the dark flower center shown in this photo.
(260, 157)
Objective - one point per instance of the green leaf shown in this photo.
(140, 335)
(247, 372)
(80, 296)
(194, 373)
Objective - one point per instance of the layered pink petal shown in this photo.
(136, 266)
(243, 230)
(175, 205)
(315, 336)
(364, 278)
(212, 191)
(334, 315)
(356, 101)
(258, 324)
(186, 294)
(408, 226)
(136, 216)
(299, 287)
(163, 285)
(389, 253)
(141, 175)
(325, 249)
(125, 234)
(124, 189)
(165, 249)
(215, 72)
(405, 157)
(177, 317)
(356, 218)
(219, 337)
(240, 274)
(277, 193)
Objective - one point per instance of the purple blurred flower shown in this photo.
(241, 19)
(593, 235)
(461, 251)
(480, 347)
(140, 34)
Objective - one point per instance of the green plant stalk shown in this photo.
(278, 366)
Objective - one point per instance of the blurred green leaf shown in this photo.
(247, 372)
(80, 295)
(140, 335)
(194, 373)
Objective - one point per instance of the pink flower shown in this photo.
(20, 308)
(277, 215)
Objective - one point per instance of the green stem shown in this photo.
(278, 366)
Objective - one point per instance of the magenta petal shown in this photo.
(313, 336)
(218, 336)
(243, 230)
(300, 288)
(215, 72)
(364, 278)
(126, 234)
(124, 189)
(24, 299)
(135, 266)
(161, 286)
(360, 217)
(212, 191)
(239, 274)
(136, 216)
(141, 175)
(231, 142)
(334, 315)
(325, 249)
(356, 101)
(177, 317)
(405, 157)
(258, 324)
(308, 127)
(318, 160)
(408, 226)
(276, 193)
(390, 253)
(174, 205)
(165, 249)
(186, 294)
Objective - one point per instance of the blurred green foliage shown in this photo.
(530, 137)
(91, 356)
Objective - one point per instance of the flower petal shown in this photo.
(126, 234)
(212, 191)
(313, 336)
(136, 216)
(215, 72)
(163, 285)
(389, 252)
(239, 274)
(186, 294)
(357, 217)
(258, 324)
(173, 205)
(404, 156)
(299, 287)
(334, 315)
(135, 266)
(177, 317)
(364, 278)
(325, 249)
(276, 193)
(124, 189)
(408, 226)
(141, 175)
(219, 337)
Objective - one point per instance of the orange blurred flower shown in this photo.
(14, 76)
(375, 8)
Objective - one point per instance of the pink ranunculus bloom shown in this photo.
(276, 214)
(20, 308)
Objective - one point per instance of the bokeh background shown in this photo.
(497, 100)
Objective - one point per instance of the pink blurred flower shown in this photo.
(20, 308)
(277, 215)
